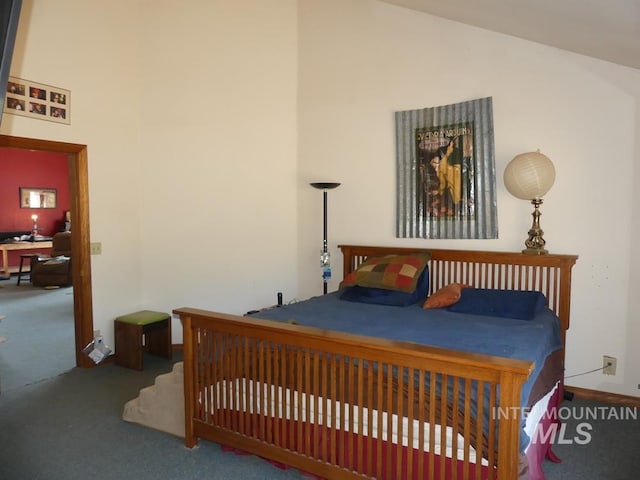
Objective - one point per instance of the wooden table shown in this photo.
(5, 247)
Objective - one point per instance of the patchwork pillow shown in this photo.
(391, 272)
(518, 304)
(445, 296)
(381, 296)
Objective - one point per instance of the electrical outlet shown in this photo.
(608, 365)
(96, 248)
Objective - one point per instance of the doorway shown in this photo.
(80, 240)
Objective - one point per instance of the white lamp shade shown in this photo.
(529, 175)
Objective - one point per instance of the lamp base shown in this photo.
(535, 251)
(535, 243)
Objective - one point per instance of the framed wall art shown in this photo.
(38, 197)
(37, 100)
(446, 172)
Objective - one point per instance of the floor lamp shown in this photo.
(325, 261)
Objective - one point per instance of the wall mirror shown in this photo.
(37, 197)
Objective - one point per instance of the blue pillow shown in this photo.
(518, 304)
(381, 296)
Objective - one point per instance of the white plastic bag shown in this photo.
(97, 350)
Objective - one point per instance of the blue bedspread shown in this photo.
(531, 340)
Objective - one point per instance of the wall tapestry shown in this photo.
(446, 172)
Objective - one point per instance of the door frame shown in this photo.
(80, 239)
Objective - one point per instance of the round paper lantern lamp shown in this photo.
(529, 176)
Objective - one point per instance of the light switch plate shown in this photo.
(96, 248)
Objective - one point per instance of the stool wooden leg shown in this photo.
(128, 345)
(158, 338)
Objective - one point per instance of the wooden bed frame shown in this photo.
(261, 386)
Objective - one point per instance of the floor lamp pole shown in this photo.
(325, 262)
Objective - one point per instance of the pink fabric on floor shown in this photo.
(540, 446)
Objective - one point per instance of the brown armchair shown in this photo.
(56, 269)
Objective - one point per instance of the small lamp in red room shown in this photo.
(34, 230)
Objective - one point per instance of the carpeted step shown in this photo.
(161, 405)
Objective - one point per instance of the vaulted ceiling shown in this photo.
(604, 29)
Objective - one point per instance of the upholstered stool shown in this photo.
(152, 328)
(23, 257)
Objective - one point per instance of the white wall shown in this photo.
(218, 173)
(361, 61)
(189, 114)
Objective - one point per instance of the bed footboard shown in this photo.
(346, 406)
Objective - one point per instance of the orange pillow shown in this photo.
(447, 295)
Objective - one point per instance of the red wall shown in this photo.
(25, 168)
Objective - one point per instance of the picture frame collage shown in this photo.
(37, 100)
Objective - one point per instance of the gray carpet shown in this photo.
(70, 428)
(612, 449)
(39, 333)
(58, 423)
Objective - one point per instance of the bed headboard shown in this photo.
(549, 274)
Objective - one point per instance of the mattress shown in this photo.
(256, 398)
(536, 340)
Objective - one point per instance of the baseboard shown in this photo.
(176, 347)
(605, 397)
